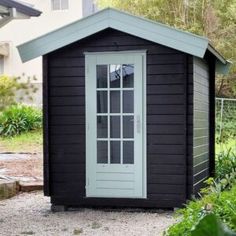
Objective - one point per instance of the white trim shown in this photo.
(111, 18)
(138, 169)
(144, 57)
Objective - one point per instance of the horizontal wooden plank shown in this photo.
(165, 139)
(167, 169)
(165, 99)
(165, 59)
(67, 149)
(153, 201)
(67, 101)
(198, 141)
(67, 138)
(166, 179)
(67, 110)
(200, 158)
(165, 129)
(201, 175)
(165, 69)
(201, 123)
(68, 158)
(165, 188)
(57, 81)
(165, 109)
(197, 150)
(67, 129)
(198, 115)
(68, 168)
(201, 106)
(67, 91)
(201, 132)
(164, 119)
(165, 159)
(166, 149)
(67, 120)
(165, 89)
(165, 79)
(201, 166)
(59, 177)
(65, 71)
(67, 62)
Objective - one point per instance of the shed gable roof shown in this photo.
(110, 18)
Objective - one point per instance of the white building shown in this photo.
(55, 13)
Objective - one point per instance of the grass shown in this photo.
(25, 142)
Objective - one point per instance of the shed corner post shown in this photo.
(212, 117)
(46, 167)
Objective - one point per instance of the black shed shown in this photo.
(128, 111)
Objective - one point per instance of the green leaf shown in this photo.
(211, 226)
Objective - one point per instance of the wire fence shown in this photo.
(225, 120)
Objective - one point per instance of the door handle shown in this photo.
(138, 124)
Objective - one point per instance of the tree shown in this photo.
(215, 19)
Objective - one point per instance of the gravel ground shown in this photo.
(29, 214)
(24, 167)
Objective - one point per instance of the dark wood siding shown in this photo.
(201, 124)
(166, 121)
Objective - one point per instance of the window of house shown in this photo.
(60, 5)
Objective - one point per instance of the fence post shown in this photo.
(221, 116)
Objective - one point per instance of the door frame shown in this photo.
(88, 98)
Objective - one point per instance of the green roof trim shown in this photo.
(110, 18)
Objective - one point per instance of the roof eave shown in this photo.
(222, 65)
(22, 8)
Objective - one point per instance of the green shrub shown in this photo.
(19, 118)
(225, 163)
(223, 205)
(9, 87)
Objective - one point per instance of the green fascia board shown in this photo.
(110, 18)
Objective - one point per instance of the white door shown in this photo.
(115, 125)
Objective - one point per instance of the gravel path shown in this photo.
(29, 214)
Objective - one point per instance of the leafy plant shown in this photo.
(19, 118)
(222, 204)
(210, 225)
(12, 89)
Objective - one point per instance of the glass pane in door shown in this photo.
(128, 75)
(115, 152)
(114, 75)
(101, 102)
(114, 126)
(115, 101)
(128, 126)
(102, 76)
(128, 152)
(102, 154)
(102, 130)
(128, 101)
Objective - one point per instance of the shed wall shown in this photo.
(167, 72)
(201, 110)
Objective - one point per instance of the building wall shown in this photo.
(166, 122)
(201, 123)
(19, 31)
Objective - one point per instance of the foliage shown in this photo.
(210, 225)
(225, 125)
(217, 198)
(10, 86)
(222, 204)
(225, 164)
(19, 118)
(215, 19)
